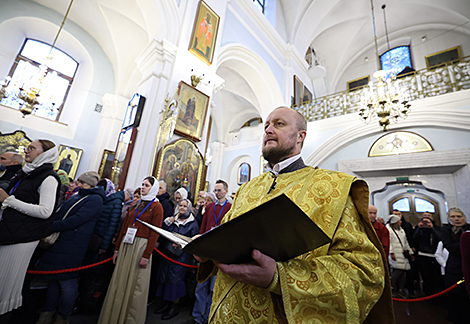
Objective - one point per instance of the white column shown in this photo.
(218, 150)
(114, 108)
(155, 63)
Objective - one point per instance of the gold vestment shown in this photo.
(336, 283)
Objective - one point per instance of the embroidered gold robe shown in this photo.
(336, 283)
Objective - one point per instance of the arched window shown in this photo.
(396, 60)
(61, 69)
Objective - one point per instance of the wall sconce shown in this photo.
(195, 80)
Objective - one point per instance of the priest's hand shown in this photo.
(259, 273)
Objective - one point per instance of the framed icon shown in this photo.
(244, 173)
(69, 159)
(106, 164)
(181, 165)
(192, 111)
(205, 28)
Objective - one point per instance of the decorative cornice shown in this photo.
(156, 59)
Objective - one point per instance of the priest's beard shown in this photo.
(276, 154)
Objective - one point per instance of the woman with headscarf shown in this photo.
(170, 276)
(126, 299)
(180, 194)
(27, 205)
(458, 300)
(73, 189)
(75, 220)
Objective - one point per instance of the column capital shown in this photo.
(156, 59)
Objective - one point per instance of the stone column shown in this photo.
(155, 63)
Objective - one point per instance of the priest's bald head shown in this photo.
(284, 133)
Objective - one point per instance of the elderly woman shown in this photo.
(209, 197)
(170, 276)
(180, 194)
(398, 262)
(458, 301)
(75, 221)
(27, 205)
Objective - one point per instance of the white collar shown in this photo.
(283, 164)
(217, 202)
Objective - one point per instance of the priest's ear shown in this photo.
(301, 137)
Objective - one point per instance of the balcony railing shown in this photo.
(425, 83)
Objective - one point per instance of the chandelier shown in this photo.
(384, 101)
(29, 93)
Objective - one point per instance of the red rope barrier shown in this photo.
(69, 270)
(174, 261)
(102, 262)
(439, 294)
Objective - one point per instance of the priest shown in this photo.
(345, 281)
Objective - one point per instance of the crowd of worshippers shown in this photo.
(425, 259)
(93, 220)
(95, 223)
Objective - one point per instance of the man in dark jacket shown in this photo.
(426, 237)
(164, 198)
(12, 163)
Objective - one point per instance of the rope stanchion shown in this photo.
(102, 262)
(69, 270)
(174, 261)
(439, 294)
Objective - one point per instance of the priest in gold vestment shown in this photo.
(345, 281)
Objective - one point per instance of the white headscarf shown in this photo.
(50, 156)
(183, 192)
(153, 191)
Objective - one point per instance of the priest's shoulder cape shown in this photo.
(340, 282)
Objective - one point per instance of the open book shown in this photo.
(277, 228)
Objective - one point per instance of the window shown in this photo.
(396, 60)
(422, 206)
(438, 59)
(402, 205)
(60, 71)
(260, 4)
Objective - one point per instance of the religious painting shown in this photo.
(206, 26)
(14, 142)
(244, 173)
(69, 158)
(180, 165)
(106, 164)
(192, 111)
(298, 91)
(307, 95)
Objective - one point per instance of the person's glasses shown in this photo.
(218, 190)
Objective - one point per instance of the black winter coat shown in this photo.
(108, 220)
(75, 233)
(167, 204)
(172, 273)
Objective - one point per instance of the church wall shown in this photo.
(438, 137)
(237, 32)
(79, 122)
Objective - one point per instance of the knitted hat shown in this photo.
(394, 219)
(129, 192)
(90, 177)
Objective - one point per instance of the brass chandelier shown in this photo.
(384, 100)
(31, 92)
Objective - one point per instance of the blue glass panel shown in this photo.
(402, 205)
(396, 59)
(422, 205)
